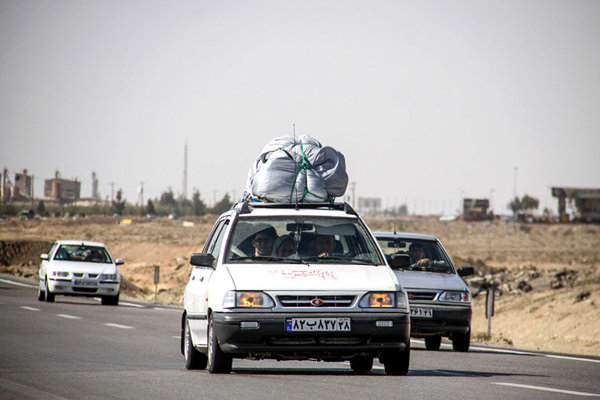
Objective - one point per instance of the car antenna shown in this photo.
(295, 165)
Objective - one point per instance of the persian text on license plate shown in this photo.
(317, 324)
(420, 312)
(83, 282)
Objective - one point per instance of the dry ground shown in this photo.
(548, 276)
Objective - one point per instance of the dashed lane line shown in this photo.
(67, 316)
(30, 308)
(119, 326)
(547, 389)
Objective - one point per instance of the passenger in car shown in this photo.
(285, 246)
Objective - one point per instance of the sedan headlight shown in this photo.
(109, 277)
(235, 299)
(456, 297)
(378, 300)
(60, 274)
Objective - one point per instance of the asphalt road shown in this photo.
(76, 348)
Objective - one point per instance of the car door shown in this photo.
(196, 291)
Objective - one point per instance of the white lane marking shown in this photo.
(176, 337)
(123, 303)
(547, 389)
(67, 316)
(119, 326)
(30, 308)
(526, 353)
(17, 283)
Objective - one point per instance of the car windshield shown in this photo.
(425, 255)
(301, 240)
(76, 252)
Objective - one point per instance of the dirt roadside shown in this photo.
(547, 276)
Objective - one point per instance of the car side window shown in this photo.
(216, 239)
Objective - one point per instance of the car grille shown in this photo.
(307, 301)
(418, 296)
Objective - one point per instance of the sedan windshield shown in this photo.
(302, 240)
(425, 255)
(75, 252)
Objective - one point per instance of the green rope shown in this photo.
(304, 167)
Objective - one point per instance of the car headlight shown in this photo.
(378, 300)
(456, 297)
(109, 277)
(402, 301)
(60, 274)
(235, 299)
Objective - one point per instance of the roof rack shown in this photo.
(245, 207)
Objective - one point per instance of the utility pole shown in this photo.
(185, 171)
(112, 192)
(141, 190)
(515, 181)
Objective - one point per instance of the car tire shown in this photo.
(361, 364)
(110, 300)
(433, 342)
(461, 341)
(41, 293)
(193, 358)
(49, 295)
(397, 362)
(218, 361)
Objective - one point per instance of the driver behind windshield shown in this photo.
(325, 245)
(263, 242)
(417, 255)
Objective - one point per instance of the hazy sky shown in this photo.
(429, 101)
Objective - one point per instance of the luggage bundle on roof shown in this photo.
(297, 170)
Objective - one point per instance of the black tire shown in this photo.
(218, 362)
(461, 341)
(110, 300)
(41, 293)
(361, 364)
(193, 358)
(397, 362)
(433, 342)
(49, 294)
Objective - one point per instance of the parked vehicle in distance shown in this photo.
(293, 282)
(440, 301)
(79, 268)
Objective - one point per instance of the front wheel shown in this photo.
(433, 342)
(41, 293)
(396, 362)
(110, 300)
(193, 358)
(461, 341)
(218, 361)
(49, 295)
(361, 364)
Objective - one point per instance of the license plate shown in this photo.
(420, 312)
(83, 282)
(317, 324)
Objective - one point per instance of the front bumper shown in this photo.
(270, 339)
(446, 320)
(67, 287)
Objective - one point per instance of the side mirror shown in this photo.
(465, 271)
(399, 261)
(202, 260)
(119, 261)
(44, 256)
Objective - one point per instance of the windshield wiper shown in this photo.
(266, 258)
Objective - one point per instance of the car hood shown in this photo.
(312, 277)
(85, 267)
(429, 280)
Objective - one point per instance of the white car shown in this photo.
(294, 282)
(79, 268)
(440, 300)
